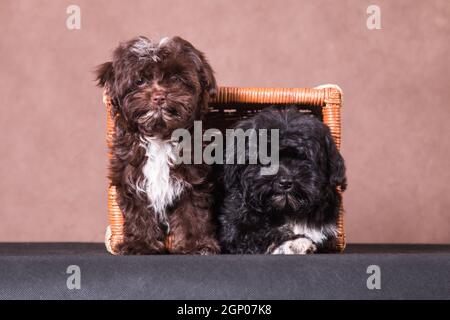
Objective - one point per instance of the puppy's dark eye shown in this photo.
(173, 112)
(302, 156)
(179, 80)
(140, 81)
(298, 154)
(175, 79)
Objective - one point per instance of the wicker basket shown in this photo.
(232, 104)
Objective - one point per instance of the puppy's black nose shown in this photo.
(285, 184)
(158, 98)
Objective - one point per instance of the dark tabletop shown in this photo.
(42, 270)
(98, 249)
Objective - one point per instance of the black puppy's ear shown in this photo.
(208, 81)
(231, 176)
(336, 165)
(105, 75)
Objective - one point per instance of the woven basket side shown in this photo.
(115, 215)
(332, 117)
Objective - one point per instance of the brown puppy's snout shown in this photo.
(158, 98)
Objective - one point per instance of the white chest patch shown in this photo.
(161, 189)
(317, 235)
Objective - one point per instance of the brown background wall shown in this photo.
(396, 136)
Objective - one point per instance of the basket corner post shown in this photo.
(332, 117)
(114, 230)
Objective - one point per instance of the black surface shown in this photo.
(95, 249)
(38, 271)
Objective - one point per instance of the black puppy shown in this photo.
(293, 211)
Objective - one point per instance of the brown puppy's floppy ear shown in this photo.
(336, 166)
(105, 75)
(208, 81)
(105, 79)
(207, 76)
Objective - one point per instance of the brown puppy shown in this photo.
(155, 88)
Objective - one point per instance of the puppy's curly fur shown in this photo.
(155, 88)
(294, 210)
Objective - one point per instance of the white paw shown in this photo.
(108, 235)
(297, 246)
(205, 252)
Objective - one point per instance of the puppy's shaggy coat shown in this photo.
(155, 88)
(294, 210)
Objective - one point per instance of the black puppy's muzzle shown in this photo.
(284, 184)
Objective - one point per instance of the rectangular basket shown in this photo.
(232, 104)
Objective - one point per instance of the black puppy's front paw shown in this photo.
(296, 246)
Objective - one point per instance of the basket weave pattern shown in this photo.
(231, 104)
